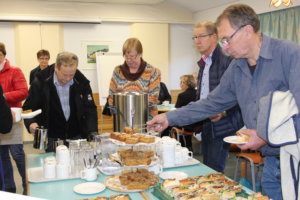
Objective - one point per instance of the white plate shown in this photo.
(89, 188)
(233, 140)
(31, 114)
(173, 174)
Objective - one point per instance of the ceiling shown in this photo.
(191, 5)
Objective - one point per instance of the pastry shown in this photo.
(242, 137)
(26, 111)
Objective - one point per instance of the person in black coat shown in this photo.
(66, 100)
(43, 57)
(187, 84)
(164, 94)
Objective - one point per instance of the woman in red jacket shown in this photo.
(15, 90)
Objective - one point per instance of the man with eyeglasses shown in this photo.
(212, 66)
(43, 57)
(261, 67)
(65, 96)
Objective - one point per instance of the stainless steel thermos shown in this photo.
(40, 138)
(131, 110)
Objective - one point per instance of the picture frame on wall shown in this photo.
(89, 51)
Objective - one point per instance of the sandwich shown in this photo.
(242, 137)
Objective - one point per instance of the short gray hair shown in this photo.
(66, 57)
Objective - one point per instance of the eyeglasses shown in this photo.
(44, 58)
(131, 56)
(201, 36)
(225, 41)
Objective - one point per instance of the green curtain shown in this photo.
(283, 24)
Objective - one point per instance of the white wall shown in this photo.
(8, 38)
(260, 6)
(77, 34)
(183, 55)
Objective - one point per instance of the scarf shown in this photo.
(130, 76)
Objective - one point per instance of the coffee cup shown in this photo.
(178, 157)
(62, 154)
(186, 154)
(18, 112)
(62, 170)
(49, 170)
(89, 174)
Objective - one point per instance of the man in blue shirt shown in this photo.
(261, 65)
(212, 66)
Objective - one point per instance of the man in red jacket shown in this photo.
(15, 91)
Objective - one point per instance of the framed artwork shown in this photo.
(90, 50)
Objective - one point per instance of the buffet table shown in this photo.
(63, 189)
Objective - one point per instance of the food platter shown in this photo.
(116, 157)
(113, 183)
(233, 140)
(121, 143)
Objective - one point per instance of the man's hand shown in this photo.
(217, 117)
(255, 142)
(33, 127)
(158, 123)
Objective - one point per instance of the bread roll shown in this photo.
(242, 137)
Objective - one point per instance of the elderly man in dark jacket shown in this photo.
(66, 100)
(212, 66)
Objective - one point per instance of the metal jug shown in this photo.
(131, 110)
(40, 138)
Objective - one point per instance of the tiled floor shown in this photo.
(229, 171)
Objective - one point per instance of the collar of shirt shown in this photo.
(56, 83)
(265, 51)
(2, 65)
(207, 59)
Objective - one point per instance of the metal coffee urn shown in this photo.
(130, 110)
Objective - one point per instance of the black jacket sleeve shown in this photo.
(90, 121)
(5, 115)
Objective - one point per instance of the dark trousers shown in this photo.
(18, 155)
(215, 151)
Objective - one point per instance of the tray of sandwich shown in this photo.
(214, 186)
(134, 180)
